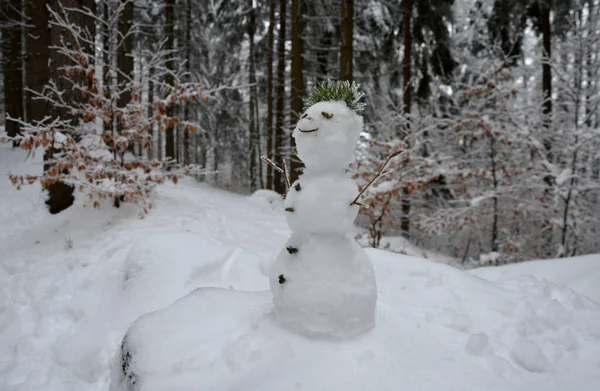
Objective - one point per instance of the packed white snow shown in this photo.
(320, 203)
(582, 273)
(72, 284)
(438, 328)
(326, 136)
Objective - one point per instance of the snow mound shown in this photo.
(437, 328)
(581, 274)
(269, 197)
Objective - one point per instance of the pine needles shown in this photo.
(336, 91)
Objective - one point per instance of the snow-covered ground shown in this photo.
(72, 284)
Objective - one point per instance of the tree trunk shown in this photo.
(271, 39)
(346, 39)
(169, 47)
(280, 88)
(188, 64)
(11, 17)
(322, 53)
(38, 55)
(546, 70)
(407, 61)
(495, 182)
(151, 152)
(547, 114)
(125, 60)
(297, 78)
(38, 71)
(406, 73)
(253, 129)
(60, 195)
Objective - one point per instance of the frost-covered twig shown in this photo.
(286, 174)
(379, 174)
(283, 170)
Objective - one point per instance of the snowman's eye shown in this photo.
(327, 115)
(305, 115)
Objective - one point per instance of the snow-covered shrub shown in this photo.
(90, 133)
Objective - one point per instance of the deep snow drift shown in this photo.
(438, 328)
(71, 285)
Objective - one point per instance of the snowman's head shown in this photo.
(326, 135)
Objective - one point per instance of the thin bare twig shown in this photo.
(283, 170)
(286, 174)
(379, 173)
(271, 163)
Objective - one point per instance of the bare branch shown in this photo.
(378, 175)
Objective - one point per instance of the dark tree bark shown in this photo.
(151, 152)
(346, 39)
(495, 182)
(125, 59)
(37, 70)
(125, 53)
(322, 53)
(407, 96)
(188, 64)
(169, 47)
(271, 39)
(280, 88)
(253, 128)
(546, 70)
(12, 68)
(547, 112)
(407, 60)
(297, 77)
(38, 54)
(60, 195)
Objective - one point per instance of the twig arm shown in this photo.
(286, 174)
(379, 174)
(283, 170)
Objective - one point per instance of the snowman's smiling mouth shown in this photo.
(308, 130)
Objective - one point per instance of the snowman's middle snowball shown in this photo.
(321, 203)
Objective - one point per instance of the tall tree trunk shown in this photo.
(407, 61)
(495, 182)
(125, 60)
(407, 96)
(37, 72)
(11, 17)
(297, 77)
(188, 65)
(546, 70)
(151, 152)
(169, 47)
(253, 129)
(547, 114)
(346, 39)
(271, 39)
(280, 88)
(322, 53)
(60, 195)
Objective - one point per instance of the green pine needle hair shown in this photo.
(336, 90)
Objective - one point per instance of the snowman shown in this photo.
(323, 284)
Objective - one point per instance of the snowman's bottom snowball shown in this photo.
(324, 285)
